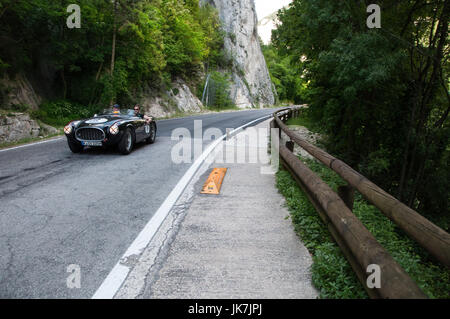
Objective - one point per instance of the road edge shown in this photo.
(117, 276)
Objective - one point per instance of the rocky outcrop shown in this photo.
(184, 99)
(251, 85)
(17, 126)
(179, 99)
(18, 92)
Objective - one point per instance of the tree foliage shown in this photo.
(154, 41)
(289, 83)
(380, 95)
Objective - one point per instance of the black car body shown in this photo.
(122, 129)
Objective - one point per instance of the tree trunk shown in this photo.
(4, 10)
(63, 78)
(100, 68)
(113, 53)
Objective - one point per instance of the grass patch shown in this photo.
(303, 120)
(299, 121)
(332, 275)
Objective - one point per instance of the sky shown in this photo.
(266, 7)
(263, 9)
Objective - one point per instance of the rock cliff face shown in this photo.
(18, 91)
(251, 86)
(179, 99)
(18, 126)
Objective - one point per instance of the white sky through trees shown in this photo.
(266, 7)
(263, 9)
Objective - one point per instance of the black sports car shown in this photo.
(121, 128)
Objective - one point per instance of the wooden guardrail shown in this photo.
(357, 243)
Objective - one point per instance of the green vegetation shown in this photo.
(20, 108)
(59, 113)
(331, 273)
(217, 95)
(122, 48)
(381, 96)
(289, 84)
(304, 120)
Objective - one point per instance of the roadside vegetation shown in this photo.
(59, 113)
(216, 96)
(381, 96)
(305, 121)
(290, 87)
(123, 50)
(332, 275)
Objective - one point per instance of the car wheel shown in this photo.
(126, 143)
(75, 147)
(151, 139)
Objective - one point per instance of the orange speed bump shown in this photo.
(214, 181)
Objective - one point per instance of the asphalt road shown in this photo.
(59, 209)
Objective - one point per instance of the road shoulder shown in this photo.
(238, 244)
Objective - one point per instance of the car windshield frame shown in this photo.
(125, 112)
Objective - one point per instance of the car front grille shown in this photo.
(90, 134)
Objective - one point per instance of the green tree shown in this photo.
(380, 95)
(289, 83)
(122, 46)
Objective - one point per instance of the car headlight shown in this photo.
(114, 129)
(68, 129)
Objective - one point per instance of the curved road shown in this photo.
(59, 208)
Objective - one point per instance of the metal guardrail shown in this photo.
(358, 245)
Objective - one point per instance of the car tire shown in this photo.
(75, 147)
(126, 142)
(151, 139)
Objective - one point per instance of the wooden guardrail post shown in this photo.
(347, 193)
(290, 145)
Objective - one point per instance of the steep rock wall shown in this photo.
(178, 99)
(251, 86)
(18, 91)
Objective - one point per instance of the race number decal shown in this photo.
(147, 129)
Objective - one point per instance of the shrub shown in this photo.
(331, 273)
(59, 113)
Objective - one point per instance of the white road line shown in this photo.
(119, 273)
(31, 144)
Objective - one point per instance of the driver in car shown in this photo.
(137, 112)
(116, 109)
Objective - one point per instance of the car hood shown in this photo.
(102, 120)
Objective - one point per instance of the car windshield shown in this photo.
(121, 112)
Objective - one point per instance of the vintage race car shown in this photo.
(122, 129)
